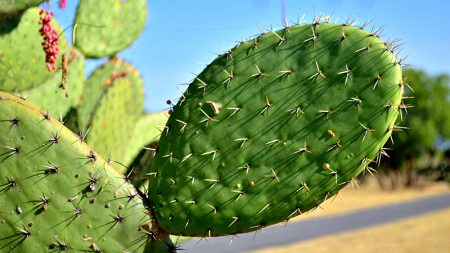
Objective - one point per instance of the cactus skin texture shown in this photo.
(141, 148)
(274, 127)
(111, 105)
(106, 27)
(147, 131)
(15, 6)
(58, 196)
(22, 60)
(138, 170)
(53, 98)
(98, 83)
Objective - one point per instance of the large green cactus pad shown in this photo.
(59, 93)
(56, 194)
(22, 59)
(15, 6)
(106, 27)
(274, 127)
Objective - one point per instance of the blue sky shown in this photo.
(181, 36)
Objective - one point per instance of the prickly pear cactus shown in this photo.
(138, 169)
(106, 27)
(146, 131)
(102, 79)
(111, 105)
(63, 89)
(274, 127)
(58, 195)
(15, 6)
(22, 60)
(141, 148)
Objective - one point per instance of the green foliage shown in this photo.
(274, 127)
(429, 118)
(106, 27)
(426, 122)
(431, 100)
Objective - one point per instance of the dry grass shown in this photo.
(370, 195)
(422, 234)
(367, 196)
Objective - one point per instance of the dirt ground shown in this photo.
(423, 234)
(428, 233)
(370, 195)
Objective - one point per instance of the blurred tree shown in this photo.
(427, 122)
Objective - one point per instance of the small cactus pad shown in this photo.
(63, 90)
(274, 127)
(106, 27)
(15, 6)
(147, 130)
(22, 59)
(56, 194)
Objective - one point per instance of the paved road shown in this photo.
(309, 229)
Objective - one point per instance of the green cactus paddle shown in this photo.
(61, 91)
(274, 127)
(22, 59)
(106, 27)
(146, 131)
(110, 106)
(58, 195)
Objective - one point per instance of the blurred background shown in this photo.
(181, 37)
